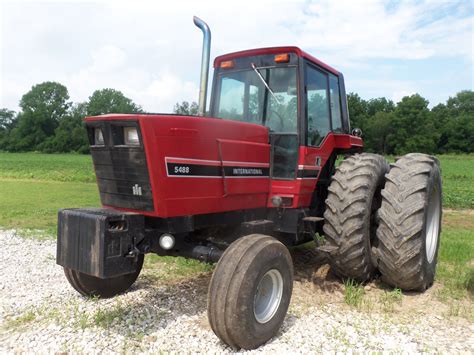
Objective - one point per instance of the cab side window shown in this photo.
(335, 103)
(317, 98)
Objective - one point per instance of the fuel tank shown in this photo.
(180, 165)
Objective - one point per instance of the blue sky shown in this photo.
(150, 50)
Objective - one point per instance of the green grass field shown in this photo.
(33, 187)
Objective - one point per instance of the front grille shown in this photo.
(122, 176)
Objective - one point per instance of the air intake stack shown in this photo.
(206, 52)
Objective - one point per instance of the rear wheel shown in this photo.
(410, 222)
(88, 285)
(250, 291)
(350, 216)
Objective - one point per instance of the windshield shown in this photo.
(244, 97)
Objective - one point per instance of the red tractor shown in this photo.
(260, 171)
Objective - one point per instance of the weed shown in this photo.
(83, 320)
(168, 268)
(454, 309)
(25, 318)
(367, 305)
(389, 299)
(319, 239)
(105, 317)
(353, 293)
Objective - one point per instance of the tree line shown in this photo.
(49, 122)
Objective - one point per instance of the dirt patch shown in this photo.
(458, 218)
(317, 285)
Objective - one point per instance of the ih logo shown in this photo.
(137, 190)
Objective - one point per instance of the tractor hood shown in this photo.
(173, 165)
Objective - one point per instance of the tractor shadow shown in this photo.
(311, 266)
(154, 305)
(150, 306)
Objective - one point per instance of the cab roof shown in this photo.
(274, 50)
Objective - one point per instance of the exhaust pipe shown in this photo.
(206, 52)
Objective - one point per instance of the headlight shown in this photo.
(131, 136)
(98, 137)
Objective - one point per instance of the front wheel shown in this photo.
(88, 285)
(250, 291)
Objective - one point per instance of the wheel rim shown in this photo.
(432, 227)
(268, 296)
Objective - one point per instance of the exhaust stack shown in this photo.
(206, 52)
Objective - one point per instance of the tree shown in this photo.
(357, 110)
(186, 108)
(378, 129)
(7, 122)
(42, 109)
(413, 127)
(463, 102)
(7, 119)
(458, 123)
(460, 134)
(380, 104)
(71, 135)
(106, 101)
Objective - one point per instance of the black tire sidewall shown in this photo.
(250, 332)
(89, 285)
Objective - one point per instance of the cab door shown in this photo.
(322, 119)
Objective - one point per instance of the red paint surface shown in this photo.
(219, 142)
(273, 50)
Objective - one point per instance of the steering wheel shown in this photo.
(278, 115)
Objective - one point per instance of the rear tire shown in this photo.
(410, 222)
(250, 291)
(91, 286)
(349, 219)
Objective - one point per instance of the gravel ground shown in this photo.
(40, 312)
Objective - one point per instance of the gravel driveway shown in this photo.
(40, 312)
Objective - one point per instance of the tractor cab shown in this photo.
(301, 100)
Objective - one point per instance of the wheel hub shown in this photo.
(432, 225)
(268, 296)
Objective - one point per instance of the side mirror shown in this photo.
(357, 132)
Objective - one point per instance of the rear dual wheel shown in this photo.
(410, 222)
(350, 216)
(250, 291)
(385, 219)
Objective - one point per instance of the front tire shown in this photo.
(410, 222)
(250, 291)
(92, 286)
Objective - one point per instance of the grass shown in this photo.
(20, 321)
(105, 317)
(353, 293)
(169, 268)
(389, 299)
(47, 167)
(33, 187)
(32, 204)
(458, 180)
(456, 256)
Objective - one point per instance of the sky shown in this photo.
(151, 50)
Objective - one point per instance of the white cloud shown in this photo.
(150, 50)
